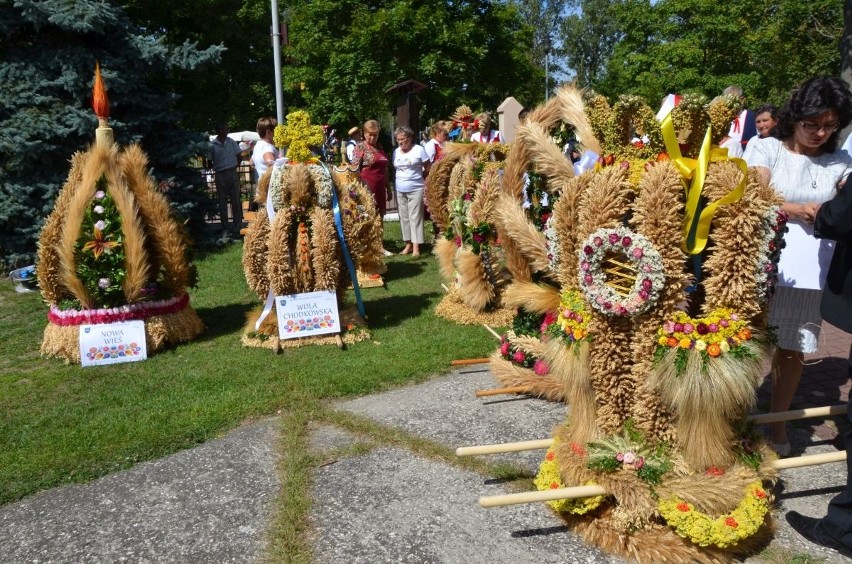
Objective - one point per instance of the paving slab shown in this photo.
(212, 503)
(445, 410)
(392, 506)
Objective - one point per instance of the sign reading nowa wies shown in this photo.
(307, 315)
(111, 343)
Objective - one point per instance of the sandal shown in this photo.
(406, 250)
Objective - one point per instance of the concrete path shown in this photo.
(214, 503)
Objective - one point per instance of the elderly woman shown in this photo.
(372, 163)
(804, 165)
(412, 165)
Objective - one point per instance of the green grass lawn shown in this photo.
(63, 423)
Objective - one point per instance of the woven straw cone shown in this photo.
(154, 244)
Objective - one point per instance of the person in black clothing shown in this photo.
(833, 220)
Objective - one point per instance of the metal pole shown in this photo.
(276, 55)
(546, 75)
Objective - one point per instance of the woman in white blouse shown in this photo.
(412, 165)
(805, 166)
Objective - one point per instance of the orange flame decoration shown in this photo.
(100, 102)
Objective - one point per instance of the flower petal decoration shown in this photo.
(99, 245)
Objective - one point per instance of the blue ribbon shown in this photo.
(338, 222)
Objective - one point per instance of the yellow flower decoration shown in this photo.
(723, 531)
(299, 136)
(548, 478)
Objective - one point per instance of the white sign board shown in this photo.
(111, 343)
(306, 315)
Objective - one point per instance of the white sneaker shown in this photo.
(387, 253)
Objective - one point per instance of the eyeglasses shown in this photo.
(401, 139)
(815, 127)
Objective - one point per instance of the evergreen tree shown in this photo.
(48, 51)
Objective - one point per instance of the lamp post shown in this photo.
(276, 58)
(546, 45)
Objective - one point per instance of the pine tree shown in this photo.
(48, 51)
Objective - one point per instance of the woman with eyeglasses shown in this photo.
(412, 165)
(804, 165)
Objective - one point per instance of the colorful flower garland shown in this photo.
(723, 531)
(129, 312)
(641, 256)
(719, 333)
(571, 322)
(548, 478)
(552, 243)
(773, 227)
(519, 357)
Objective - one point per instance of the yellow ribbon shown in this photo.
(697, 229)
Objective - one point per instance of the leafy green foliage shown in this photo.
(100, 251)
(347, 54)
(654, 48)
(527, 323)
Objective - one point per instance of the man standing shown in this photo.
(224, 157)
(832, 221)
(354, 138)
(742, 128)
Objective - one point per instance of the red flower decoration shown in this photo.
(554, 486)
(683, 506)
(549, 456)
(731, 522)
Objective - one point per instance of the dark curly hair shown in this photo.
(816, 96)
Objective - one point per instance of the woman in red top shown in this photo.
(372, 163)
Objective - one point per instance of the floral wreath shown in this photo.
(642, 276)
(723, 531)
(548, 478)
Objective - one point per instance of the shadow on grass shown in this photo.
(407, 267)
(222, 320)
(393, 310)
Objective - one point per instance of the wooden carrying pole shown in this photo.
(589, 491)
(538, 444)
(501, 391)
(465, 361)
